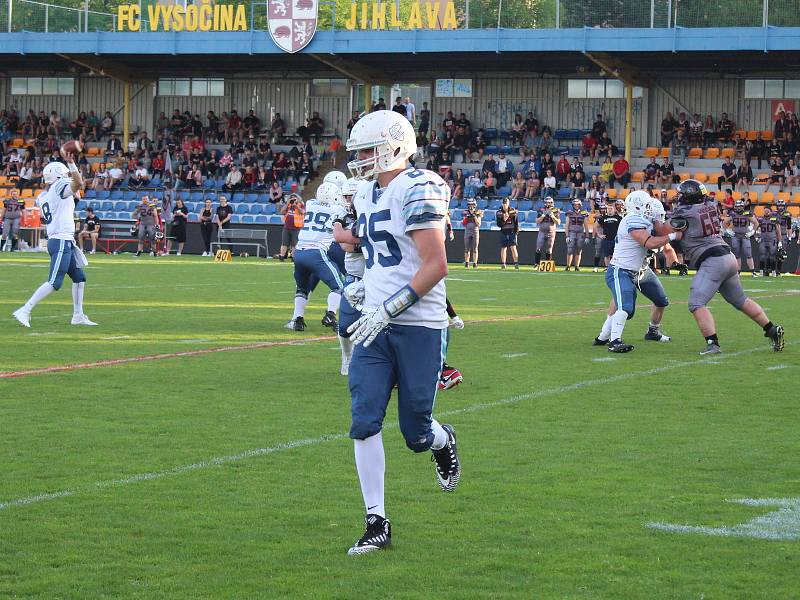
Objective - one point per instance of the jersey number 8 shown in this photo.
(47, 216)
(371, 237)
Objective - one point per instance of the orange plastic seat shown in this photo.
(701, 177)
(794, 211)
(711, 153)
(752, 135)
(785, 196)
(737, 195)
(796, 198)
(664, 152)
(728, 153)
(759, 211)
(612, 193)
(26, 193)
(695, 152)
(671, 193)
(624, 193)
(766, 135)
(684, 176)
(638, 176)
(650, 152)
(766, 198)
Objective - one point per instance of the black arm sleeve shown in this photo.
(451, 312)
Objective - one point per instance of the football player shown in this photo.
(10, 216)
(57, 204)
(785, 221)
(311, 260)
(147, 225)
(349, 307)
(577, 231)
(769, 241)
(401, 336)
(547, 220)
(717, 271)
(740, 225)
(640, 231)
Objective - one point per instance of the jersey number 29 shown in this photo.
(372, 238)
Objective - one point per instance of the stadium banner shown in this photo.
(433, 14)
(175, 17)
(781, 106)
(292, 24)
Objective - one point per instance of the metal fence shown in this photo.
(32, 15)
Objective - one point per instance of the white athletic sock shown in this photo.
(371, 465)
(605, 332)
(334, 299)
(299, 306)
(618, 324)
(77, 298)
(439, 435)
(347, 348)
(40, 294)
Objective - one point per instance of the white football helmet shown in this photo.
(657, 212)
(349, 190)
(330, 194)
(54, 171)
(638, 203)
(336, 177)
(389, 135)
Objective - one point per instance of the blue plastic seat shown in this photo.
(276, 219)
(564, 193)
(256, 209)
(504, 191)
(248, 219)
(525, 205)
(482, 203)
(211, 196)
(242, 209)
(560, 134)
(81, 205)
(155, 181)
(491, 149)
(251, 197)
(90, 194)
(456, 215)
(107, 205)
(453, 203)
(130, 195)
(269, 209)
(261, 220)
(236, 197)
(489, 134)
(95, 205)
(117, 195)
(532, 216)
(236, 219)
(196, 196)
(124, 216)
(103, 195)
(209, 183)
(495, 204)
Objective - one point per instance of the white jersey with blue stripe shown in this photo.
(415, 199)
(317, 231)
(628, 253)
(57, 205)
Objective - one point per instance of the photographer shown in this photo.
(547, 221)
(472, 223)
(294, 214)
(509, 227)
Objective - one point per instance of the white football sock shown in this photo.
(618, 324)
(334, 299)
(347, 348)
(77, 298)
(371, 465)
(299, 306)
(40, 294)
(439, 435)
(605, 332)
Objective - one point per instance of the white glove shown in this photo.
(780, 245)
(456, 322)
(368, 326)
(354, 294)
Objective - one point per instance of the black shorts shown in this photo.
(508, 239)
(178, 232)
(289, 237)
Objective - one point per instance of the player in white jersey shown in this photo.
(400, 338)
(311, 261)
(628, 270)
(57, 205)
(354, 267)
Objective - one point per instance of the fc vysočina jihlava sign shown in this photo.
(292, 23)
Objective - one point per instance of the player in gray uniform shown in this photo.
(740, 225)
(697, 217)
(768, 238)
(147, 216)
(11, 216)
(547, 220)
(472, 234)
(577, 230)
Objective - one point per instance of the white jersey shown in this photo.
(628, 253)
(415, 199)
(57, 204)
(317, 231)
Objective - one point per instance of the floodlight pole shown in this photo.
(126, 115)
(652, 13)
(628, 119)
(10, 11)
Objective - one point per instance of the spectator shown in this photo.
(178, 226)
(744, 175)
(546, 163)
(578, 184)
(294, 213)
(509, 227)
(790, 147)
(792, 175)
(550, 185)
(90, 230)
(478, 145)
(459, 181)
(115, 176)
(277, 128)
(758, 150)
(682, 124)
(725, 128)
(489, 187)
(472, 224)
(728, 176)
(140, 177)
(588, 144)
(157, 165)
(207, 226)
(777, 171)
(12, 163)
(424, 118)
(727, 201)
(113, 146)
(666, 173)
(489, 164)
(679, 146)
(233, 181)
(99, 181)
(518, 186)
(604, 146)
(696, 130)
(107, 124)
(252, 124)
(194, 177)
(598, 127)
(667, 129)
(651, 170)
(709, 131)
(379, 105)
(531, 124)
(411, 111)
(316, 127)
(449, 122)
(781, 126)
(606, 171)
(563, 169)
(546, 143)
(54, 124)
(517, 129)
(533, 185)
(25, 176)
(460, 144)
(80, 125)
(503, 170)
(276, 193)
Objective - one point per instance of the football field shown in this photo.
(191, 447)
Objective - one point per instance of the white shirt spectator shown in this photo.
(142, 173)
(115, 173)
(132, 146)
(27, 172)
(550, 182)
(411, 112)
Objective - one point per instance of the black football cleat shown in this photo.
(775, 334)
(655, 335)
(598, 342)
(299, 324)
(619, 347)
(448, 467)
(329, 320)
(377, 536)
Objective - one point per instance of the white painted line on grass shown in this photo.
(777, 367)
(514, 355)
(604, 359)
(28, 500)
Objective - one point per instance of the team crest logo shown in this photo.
(292, 23)
(396, 131)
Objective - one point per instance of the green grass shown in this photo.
(558, 481)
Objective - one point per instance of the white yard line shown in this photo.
(232, 458)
